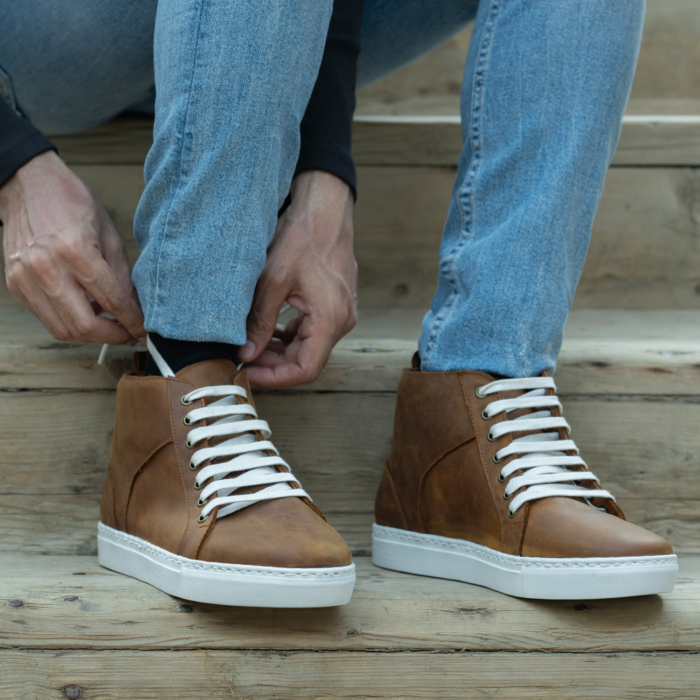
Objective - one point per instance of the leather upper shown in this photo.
(150, 491)
(441, 479)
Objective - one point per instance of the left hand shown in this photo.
(311, 266)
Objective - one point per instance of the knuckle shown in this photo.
(68, 249)
(61, 334)
(40, 263)
(260, 323)
(112, 303)
(81, 328)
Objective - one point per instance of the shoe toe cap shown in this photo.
(566, 528)
(282, 533)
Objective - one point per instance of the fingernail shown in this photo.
(247, 351)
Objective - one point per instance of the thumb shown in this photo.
(262, 318)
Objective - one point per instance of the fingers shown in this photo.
(262, 320)
(302, 360)
(61, 304)
(108, 279)
(76, 312)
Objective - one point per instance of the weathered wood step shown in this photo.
(72, 603)
(630, 383)
(65, 621)
(273, 675)
(654, 132)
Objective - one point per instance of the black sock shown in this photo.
(181, 353)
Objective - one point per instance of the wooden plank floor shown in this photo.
(66, 622)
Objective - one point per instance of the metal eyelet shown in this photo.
(491, 438)
(512, 515)
(501, 478)
(201, 519)
(496, 459)
(506, 496)
(184, 401)
(197, 487)
(189, 445)
(201, 503)
(484, 416)
(192, 467)
(478, 393)
(186, 421)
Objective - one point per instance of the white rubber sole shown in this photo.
(223, 584)
(524, 577)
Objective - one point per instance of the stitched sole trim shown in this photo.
(223, 584)
(525, 577)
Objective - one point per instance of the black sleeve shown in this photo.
(326, 130)
(19, 142)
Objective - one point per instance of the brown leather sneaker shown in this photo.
(199, 503)
(484, 485)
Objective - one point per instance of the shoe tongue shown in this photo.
(210, 373)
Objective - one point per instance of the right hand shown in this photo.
(59, 244)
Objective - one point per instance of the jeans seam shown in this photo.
(464, 195)
(161, 243)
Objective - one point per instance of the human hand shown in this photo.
(59, 244)
(311, 266)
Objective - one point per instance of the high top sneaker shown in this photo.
(484, 485)
(199, 503)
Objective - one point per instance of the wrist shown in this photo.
(311, 184)
(12, 190)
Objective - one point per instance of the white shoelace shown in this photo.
(256, 468)
(543, 461)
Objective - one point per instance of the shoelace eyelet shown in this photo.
(506, 496)
(501, 478)
(491, 438)
(189, 445)
(186, 421)
(197, 486)
(184, 401)
(484, 416)
(192, 466)
(201, 503)
(496, 459)
(512, 515)
(201, 519)
(478, 393)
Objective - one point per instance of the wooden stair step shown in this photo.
(73, 623)
(629, 383)
(654, 132)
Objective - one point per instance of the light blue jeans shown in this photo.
(545, 86)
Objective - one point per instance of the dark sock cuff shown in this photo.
(182, 353)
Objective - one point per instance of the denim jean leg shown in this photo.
(232, 83)
(74, 65)
(396, 32)
(544, 92)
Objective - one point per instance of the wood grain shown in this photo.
(262, 675)
(71, 602)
